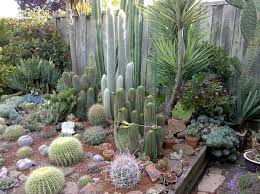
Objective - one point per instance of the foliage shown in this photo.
(13, 132)
(36, 99)
(45, 180)
(51, 6)
(84, 180)
(95, 135)
(179, 112)
(204, 91)
(24, 152)
(96, 115)
(65, 151)
(192, 130)
(34, 75)
(125, 171)
(4, 36)
(34, 34)
(7, 183)
(5, 72)
(249, 183)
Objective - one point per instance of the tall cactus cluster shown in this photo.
(85, 88)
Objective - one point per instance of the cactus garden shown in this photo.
(130, 97)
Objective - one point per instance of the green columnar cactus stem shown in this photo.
(81, 106)
(122, 114)
(159, 137)
(135, 117)
(148, 99)
(66, 79)
(103, 85)
(134, 137)
(141, 122)
(84, 84)
(150, 147)
(131, 97)
(148, 117)
(123, 5)
(129, 110)
(140, 95)
(91, 73)
(119, 82)
(111, 48)
(107, 103)
(76, 82)
(236, 3)
(90, 98)
(129, 76)
(160, 120)
(130, 25)
(119, 102)
(99, 54)
(121, 33)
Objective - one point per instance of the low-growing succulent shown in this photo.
(125, 171)
(24, 152)
(95, 135)
(7, 183)
(65, 151)
(84, 180)
(96, 115)
(45, 180)
(4, 147)
(192, 130)
(27, 107)
(13, 132)
(2, 121)
(34, 99)
(48, 132)
(2, 128)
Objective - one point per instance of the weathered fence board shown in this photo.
(221, 26)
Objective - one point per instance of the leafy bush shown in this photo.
(65, 151)
(34, 34)
(95, 135)
(204, 92)
(36, 99)
(5, 72)
(96, 115)
(13, 132)
(34, 75)
(24, 152)
(45, 180)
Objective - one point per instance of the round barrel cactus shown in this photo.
(97, 115)
(2, 129)
(24, 152)
(45, 180)
(13, 132)
(65, 151)
(95, 135)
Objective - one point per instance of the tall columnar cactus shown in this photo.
(111, 50)
(150, 147)
(148, 117)
(103, 85)
(135, 117)
(81, 105)
(123, 5)
(131, 97)
(67, 79)
(76, 83)
(90, 98)
(122, 114)
(91, 73)
(121, 42)
(99, 54)
(141, 122)
(130, 25)
(107, 104)
(129, 110)
(129, 76)
(148, 99)
(84, 84)
(160, 120)
(120, 82)
(140, 95)
(119, 102)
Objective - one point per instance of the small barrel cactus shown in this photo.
(96, 115)
(65, 151)
(2, 121)
(125, 171)
(45, 180)
(84, 180)
(24, 152)
(2, 129)
(95, 135)
(13, 132)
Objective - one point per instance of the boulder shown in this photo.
(97, 158)
(25, 140)
(24, 164)
(43, 149)
(68, 128)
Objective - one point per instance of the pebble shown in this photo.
(24, 164)
(25, 140)
(88, 155)
(97, 158)
(3, 173)
(43, 149)
(95, 180)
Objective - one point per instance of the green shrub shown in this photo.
(13, 132)
(95, 135)
(5, 71)
(84, 180)
(45, 180)
(96, 115)
(65, 151)
(24, 152)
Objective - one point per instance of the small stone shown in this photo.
(215, 171)
(91, 188)
(43, 149)
(135, 192)
(156, 189)
(36, 134)
(105, 146)
(210, 183)
(88, 155)
(187, 149)
(176, 125)
(181, 135)
(14, 173)
(19, 190)
(153, 173)
(24, 164)
(71, 188)
(93, 168)
(176, 167)
(97, 158)
(25, 140)
(3, 173)
(95, 180)
(68, 128)
(202, 193)
(67, 171)
(177, 140)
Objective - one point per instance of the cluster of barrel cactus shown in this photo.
(65, 151)
(24, 152)
(96, 115)
(13, 132)
(45, 180)
(95, 135)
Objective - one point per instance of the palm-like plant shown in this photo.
(171, 17)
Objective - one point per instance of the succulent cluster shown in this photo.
(95, 135)
(96, 115)
(125, 171)
(45, 180)
(65, 151)
(24, 152)
(34, 99)
(84, 180)
(7, 183)
(13, 132)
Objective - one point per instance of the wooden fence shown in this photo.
(221, 27)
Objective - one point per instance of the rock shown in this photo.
(2, 192)
(187, 149)
(176, 126)
(68, 127)
(36, 134)
(75, 176)
(156, 189)
(24, 164)
(179, 140)
(135, 192)
(93, 168)
(105, 146)
(91, 188)
(95, 180)
(215, 170)
(3, 173)
(210, 183)
(23, 178)
(25, 140)
(176, 167)
(153, 173)
(14, 173)
(88, 155)
(43, 149)
(67, 171)
(97, 158)
(71, 188)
